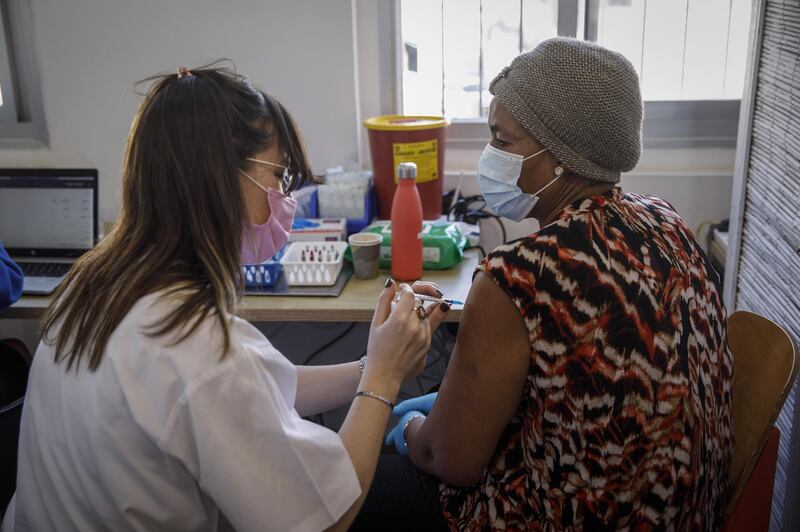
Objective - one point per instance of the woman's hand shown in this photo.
(422, 403)
(398, 342)
(399, 337)
(406, 411)
(426, 288)
(435, 311)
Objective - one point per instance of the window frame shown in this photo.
(8, 109)
(676, 124)
(26, 127)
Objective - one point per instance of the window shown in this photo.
(460, 45)
(8, 108)
(683, 50)
(21, 109)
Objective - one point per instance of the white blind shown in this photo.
(769, 263)
(681, 49)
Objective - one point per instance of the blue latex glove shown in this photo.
(423, 403)
(303, 223)
(396, 436)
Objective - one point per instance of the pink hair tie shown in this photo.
(183, 71)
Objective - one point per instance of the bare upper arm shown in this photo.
(481, 389)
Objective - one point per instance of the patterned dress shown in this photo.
(625, 419)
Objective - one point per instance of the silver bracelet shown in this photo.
(362, 363)
(382, 399)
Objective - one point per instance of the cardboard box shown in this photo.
(323, 230)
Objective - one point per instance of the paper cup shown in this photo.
(366, 249)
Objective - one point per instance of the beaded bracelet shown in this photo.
(405, 427)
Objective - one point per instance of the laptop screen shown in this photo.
(48, 212)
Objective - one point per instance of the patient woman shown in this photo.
(590, 386)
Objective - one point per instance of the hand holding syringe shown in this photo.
(423, 297)
(424, 293)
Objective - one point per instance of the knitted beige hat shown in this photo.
(580, 101)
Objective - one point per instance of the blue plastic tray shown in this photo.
(262, 275)
(354, 225)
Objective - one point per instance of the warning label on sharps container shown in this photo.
(424, 154)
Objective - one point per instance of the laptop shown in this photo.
(48, 218)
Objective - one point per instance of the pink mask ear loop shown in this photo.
(276, 165)
(256, 183)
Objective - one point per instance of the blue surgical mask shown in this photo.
(498, 173)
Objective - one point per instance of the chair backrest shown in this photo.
(754, 507)
(14, 360)
(765, 367)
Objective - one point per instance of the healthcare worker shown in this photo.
(151, 405)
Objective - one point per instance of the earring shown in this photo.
(559, 170)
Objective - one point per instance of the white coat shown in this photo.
(170, 437)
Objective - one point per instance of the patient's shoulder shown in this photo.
(523, 260)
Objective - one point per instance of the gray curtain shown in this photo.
(765, 222)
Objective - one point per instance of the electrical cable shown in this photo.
(324, 325)
(502, 226)
(499, 222)
(329, 343)
(462, 205)
(272, 331)
(442, 344)
(463, 210)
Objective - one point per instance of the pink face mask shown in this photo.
(262, 242)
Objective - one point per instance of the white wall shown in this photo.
(90, 53)
(697, 182)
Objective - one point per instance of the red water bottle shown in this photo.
(406, 225)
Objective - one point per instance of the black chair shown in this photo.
(14, 365)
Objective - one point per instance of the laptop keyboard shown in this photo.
(44, 269)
